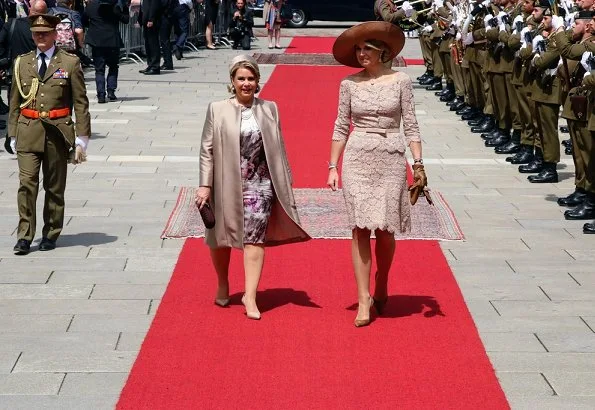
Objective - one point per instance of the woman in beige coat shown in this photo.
(243, 146)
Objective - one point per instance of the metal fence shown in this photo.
(134, 43)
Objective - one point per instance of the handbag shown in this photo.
(207, 215)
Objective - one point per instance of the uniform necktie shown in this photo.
(43, 67)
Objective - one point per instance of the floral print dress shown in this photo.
(256, 180)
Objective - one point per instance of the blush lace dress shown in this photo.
(257, 187)
(374, 164)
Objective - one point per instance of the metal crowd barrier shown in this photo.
(132, 36)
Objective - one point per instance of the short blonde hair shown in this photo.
(249, 65)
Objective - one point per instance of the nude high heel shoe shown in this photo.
(364, 322)
(254, 314)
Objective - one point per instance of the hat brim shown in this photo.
(391, 35)
(42, 29)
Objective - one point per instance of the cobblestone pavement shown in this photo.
(72, 320)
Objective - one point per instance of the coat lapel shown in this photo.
(266, 122)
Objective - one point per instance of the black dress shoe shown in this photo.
(111, 96)
(511, 148)
(166, 67)
(568, 150)
(101, 100)
(473, 118)
(589, 228)
(178, 53)
(486, 126)
(524, 156)
(547, 175)
(564, 129)
(457, 106)
(431, 80)
(500, 140)
(47, 245)
(566, 143)
(532, 167)
(574, 199)
(442, 92)
(22, 247)
(7, 146)
(490, 135)
(586, 210)
(465, 109)
(434, 86)
(152, 72)
(427, 74)
(448, 97)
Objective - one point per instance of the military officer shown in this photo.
(47, 86)
(573, 45)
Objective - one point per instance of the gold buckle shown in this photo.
(43, 114)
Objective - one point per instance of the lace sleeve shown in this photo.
(343, 120)
(410, 125)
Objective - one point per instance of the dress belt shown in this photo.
(51, 114)
(383, 131)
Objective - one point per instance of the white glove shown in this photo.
(536, 40)
(439, 3)
(83, 142)
(584, 61)
(407, 8)
(486, 20)
(458, 37)
(13, 144)
(524, 31)
(557, 22)
(502, 27)
(486, 3)
(518, 19)
(468, 39)
(428, 29)
(587, 74)
(500, 15)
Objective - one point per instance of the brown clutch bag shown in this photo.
(207, 215)
(415, 191)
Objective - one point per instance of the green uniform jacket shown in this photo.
(62, 86)
(386, 10)
(548, 60)
(589, 84)
(573, 52)
(495, 36)
(518, 67)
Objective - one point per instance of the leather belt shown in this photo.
(383, 131)
(51, 114)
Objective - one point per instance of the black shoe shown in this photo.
(178, 53)
(499, 141)
(589, 228)
(574, 199)
(486, 126)
(511, 148)
(447, 97)
(564, 129)
(166, 67)
(144, 70)
(490, 135)
(473, 119)
(532, 167)
(427, 74)
(568, 150)
(546, 175)
(566, 143)
(22, 247)
(101, 99)
(524, 156)
(111, 96)
(457, 105)
(465, 109)
(586, 210)
(431, 80)
(152, 71)
(7, 146)
(47, 245)
(434, 86)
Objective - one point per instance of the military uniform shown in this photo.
(40, 118)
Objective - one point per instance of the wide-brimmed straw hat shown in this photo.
(391, 35)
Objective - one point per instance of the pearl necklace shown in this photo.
(246, 113)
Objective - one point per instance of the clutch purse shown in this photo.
(415, 191)
(207, 215)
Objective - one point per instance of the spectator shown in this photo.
(211, 12)
(104, 37)
(63, 9)
(177, 17)
(273, 20)
(240, 27)
(150, 17)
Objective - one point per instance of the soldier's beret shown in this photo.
(584, 15)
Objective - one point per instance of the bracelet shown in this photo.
(332, 166)
(418, 161)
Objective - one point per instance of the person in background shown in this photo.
(272, 18)
(103, 35)
(242, 144)
(177, 16)
(150, 17)
(240, 27)
(211, 12)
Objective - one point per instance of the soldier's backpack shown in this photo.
(65, 29)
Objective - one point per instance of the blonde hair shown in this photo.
(252, 66)
(379, 45)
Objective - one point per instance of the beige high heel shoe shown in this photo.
(364, 322)
(254, 315)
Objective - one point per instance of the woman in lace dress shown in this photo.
(245, 176)
(375, 100)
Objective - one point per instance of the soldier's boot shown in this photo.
(574, 199)
(547, 174)
(589, 228)
(524, 156)
(513, 146)
(502, 138)
(458, 104)
(586, 210)
(535, 165)
(427, 74)
(487, 125)
(450, 94)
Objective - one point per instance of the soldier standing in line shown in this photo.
(523, 26)
(444, 23)
(577, 112)
(548, 96)
(47, 85)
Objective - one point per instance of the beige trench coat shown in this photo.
(220, 170)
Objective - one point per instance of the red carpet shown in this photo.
(324, 45)
(305, 353)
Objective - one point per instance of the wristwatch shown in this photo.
(418, 161)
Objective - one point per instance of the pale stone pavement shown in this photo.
(72, 320)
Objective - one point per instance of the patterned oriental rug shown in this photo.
(308, 59)
(323, 216)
